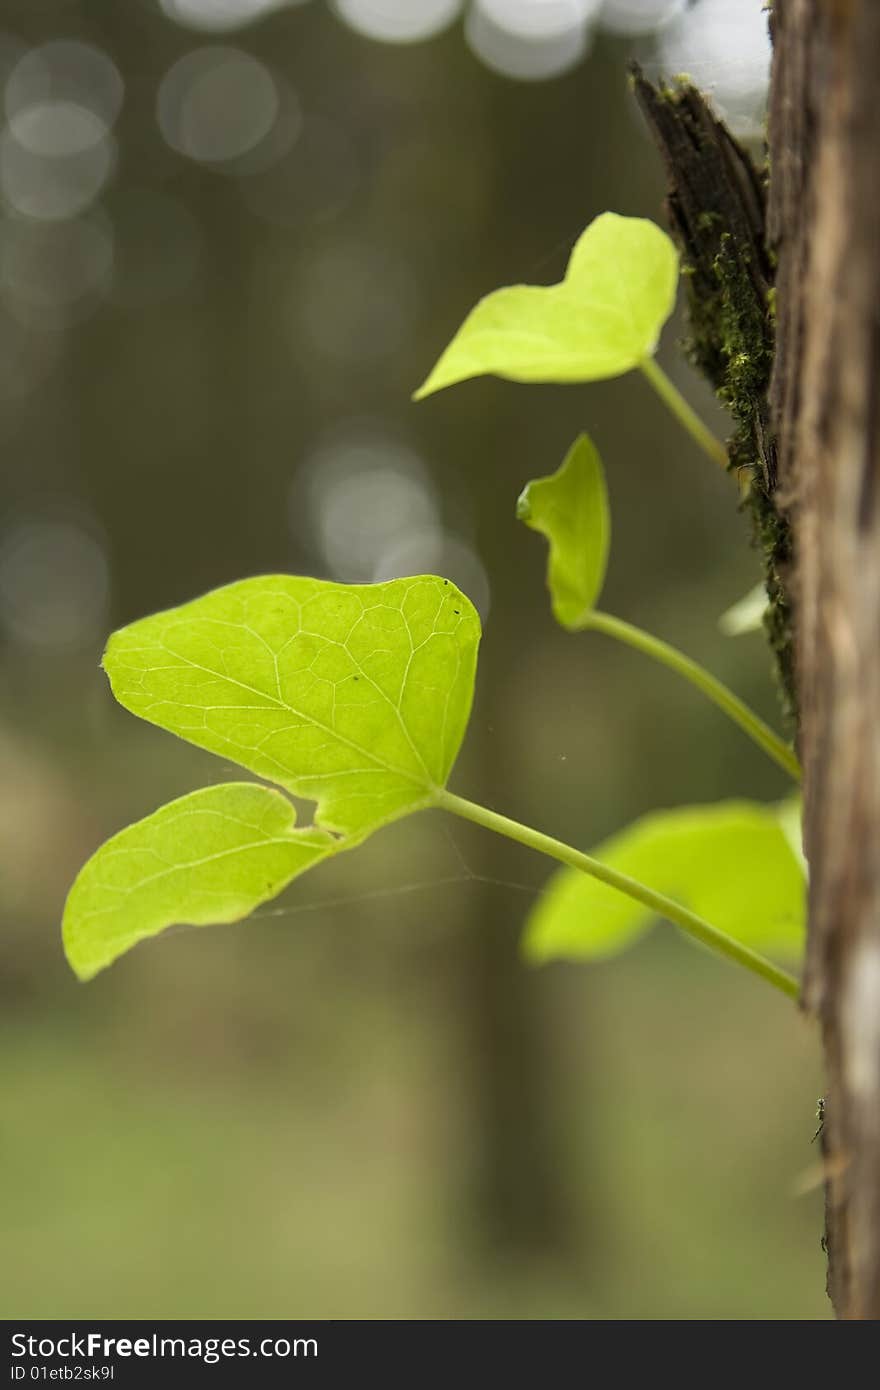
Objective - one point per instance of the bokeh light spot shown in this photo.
(356, 494)
(57, 128)
(66, 70)
(220, 16)
(53, 187)
(398, 21)
(530, 41)
(724, 47)
(215, 104)
(639, 16)
(539, 19)
(54, 582)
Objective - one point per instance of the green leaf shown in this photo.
(747, 614)
(791, 818)
(570, 508)
(730, 862)
(209, 857)
(353, 696)
(602, 320)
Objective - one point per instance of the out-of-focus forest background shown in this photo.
(235, 235)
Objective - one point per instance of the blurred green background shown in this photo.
(235, 236)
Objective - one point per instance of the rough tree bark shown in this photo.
(808, 439)
(716, 208)
(824, 226)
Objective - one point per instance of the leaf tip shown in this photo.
(82, 973)
(432, 383)
(83, 968)
(524, 504)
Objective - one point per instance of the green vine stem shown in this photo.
(689, 922)
(683, 412)
(714, 689)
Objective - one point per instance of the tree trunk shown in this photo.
(824, 225)
(811, 446)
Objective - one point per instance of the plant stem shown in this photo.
(683, 412)
(688, 921)
(750, 723)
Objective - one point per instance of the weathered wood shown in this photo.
(716, 210)
(824, 226)
(815, 447)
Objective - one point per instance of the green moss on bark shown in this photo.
(732, 343)
(716, 208)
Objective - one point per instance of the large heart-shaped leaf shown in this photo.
(570, 508)
(353, 696)
(602, 320)
(212, 856)
(731, 863)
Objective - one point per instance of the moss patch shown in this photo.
(716, 207)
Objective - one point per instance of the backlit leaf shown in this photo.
(570, 508)
(602, 320)
(355, 696)
(791, 818)
(209, 857)
(729, 862)
(747, 614)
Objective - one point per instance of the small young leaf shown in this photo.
(570, 508)
(602, 320)
(747, 614)
(730, 862)
(355, 696)
(209, 857)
